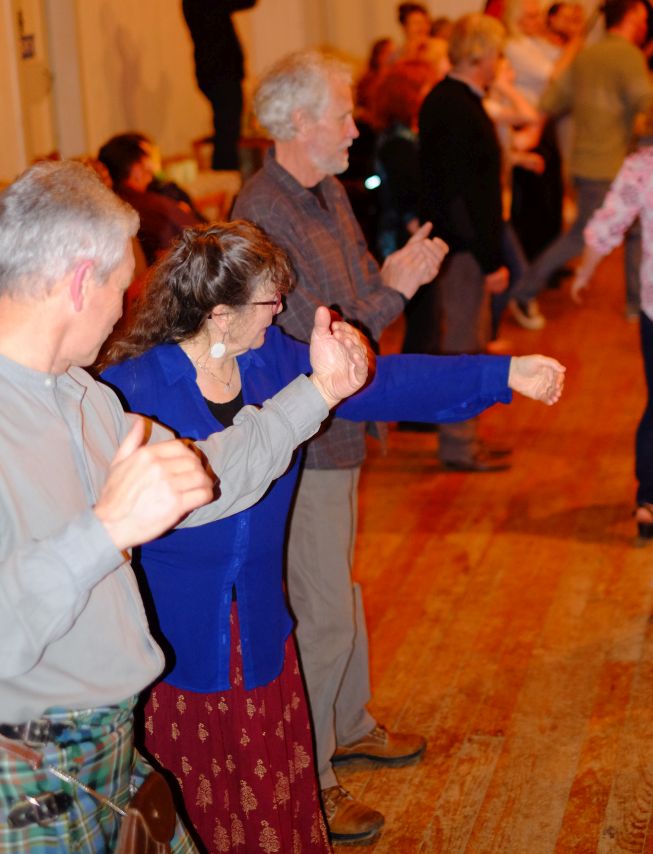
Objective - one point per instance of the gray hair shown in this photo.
(53, 216)
(473, 37)
(299, 81)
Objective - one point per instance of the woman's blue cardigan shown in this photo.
(191, 572)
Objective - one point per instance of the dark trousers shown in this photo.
(226, 97)
(423, 321)
(644, 435)
(465, 308)
(536, 211)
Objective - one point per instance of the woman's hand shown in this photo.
(538, 377)
(338, 358)
(584, 272)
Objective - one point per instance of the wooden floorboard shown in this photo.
(509, 614)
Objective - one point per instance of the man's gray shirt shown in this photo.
(73, 631)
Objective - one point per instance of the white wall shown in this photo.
(136, 66)
(67, 103)
(12, 148)
(136, 57)
(137, 72)
(271, 29)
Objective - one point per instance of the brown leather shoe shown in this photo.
(350, 822)
(380, 747)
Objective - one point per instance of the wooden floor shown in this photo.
(510, 614)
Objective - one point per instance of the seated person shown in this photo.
(128, 157)
(159, 183)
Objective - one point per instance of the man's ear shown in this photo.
(82, 275)
(300, 120)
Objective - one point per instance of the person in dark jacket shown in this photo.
(460, 161)
(219, 70)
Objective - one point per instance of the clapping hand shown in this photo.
(416, 263)
(338, 358)
(538, 377)
(150, 488)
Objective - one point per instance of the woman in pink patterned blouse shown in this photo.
(630, 196)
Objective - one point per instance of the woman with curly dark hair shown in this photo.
(229, 719)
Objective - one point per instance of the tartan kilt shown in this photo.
(100, 753)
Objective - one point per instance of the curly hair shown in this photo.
(208, 265)
(299, 81)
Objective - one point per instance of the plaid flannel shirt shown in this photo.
(333, 267)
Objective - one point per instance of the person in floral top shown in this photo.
(630, 196)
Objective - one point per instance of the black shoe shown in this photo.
(479, 463)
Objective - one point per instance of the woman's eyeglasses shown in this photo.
(276, 302)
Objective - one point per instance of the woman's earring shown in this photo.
(218, 349)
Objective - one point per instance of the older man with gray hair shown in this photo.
(305, 103)
(82, 483)
(460, 160)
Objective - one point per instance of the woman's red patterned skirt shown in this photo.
(243, 759)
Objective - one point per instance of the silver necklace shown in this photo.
(204, 367)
